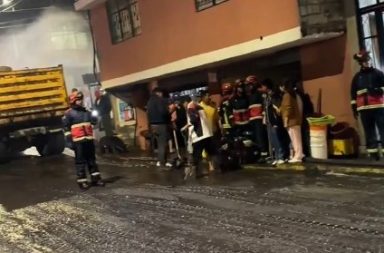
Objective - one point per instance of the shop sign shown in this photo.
(127, 115)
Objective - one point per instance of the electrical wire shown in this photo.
(94, 48)
(11, 6)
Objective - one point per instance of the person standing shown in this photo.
(308, 111)
(200, 134)
(272, 118)
(239, 104)
(159, 119)
(292, 119)
(226, 111)
(213, 121)
(210, 111)
(367, 100)
(104, 107)
(255, 100)
(79, 122)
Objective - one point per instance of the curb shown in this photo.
(311, 166)
(322, 168)
(346, 163)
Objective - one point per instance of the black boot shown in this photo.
(96, 181)
(99, 183)
(262, 160)
(374, 157)
(83, 185)
(199, 173)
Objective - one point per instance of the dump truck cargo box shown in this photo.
(32, 95)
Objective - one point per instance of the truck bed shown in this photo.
(32, 95)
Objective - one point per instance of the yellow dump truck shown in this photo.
(32, 104)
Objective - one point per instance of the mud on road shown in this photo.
(144, 211)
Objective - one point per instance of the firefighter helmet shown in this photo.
(362, 56)
(251, 80)
(75, 96)
(226, 88)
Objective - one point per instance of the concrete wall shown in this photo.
(173, 30)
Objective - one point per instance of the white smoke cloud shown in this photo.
(56, 37)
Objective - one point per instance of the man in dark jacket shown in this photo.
(159, 120)
(104, 107)
(256, 110)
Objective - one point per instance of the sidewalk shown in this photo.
(357, 166)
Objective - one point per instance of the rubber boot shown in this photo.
(374, 157)
(97, 181)
(199, 173)
(83, 185)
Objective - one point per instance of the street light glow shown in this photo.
(7, 2)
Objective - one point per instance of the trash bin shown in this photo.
(343, 141)
(318, 128)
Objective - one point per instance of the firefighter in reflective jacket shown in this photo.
(367, 100)
(255, 100)
(239, 104)
(79, 122)
(225, 109)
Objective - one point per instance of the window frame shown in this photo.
(213, 3)
(126, 8)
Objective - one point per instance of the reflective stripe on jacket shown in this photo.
(255, 106)
(367, 89)
(365, 101)
(240, 110)
(82, 131)
(240, 116)
(78, 121)
(255, 111)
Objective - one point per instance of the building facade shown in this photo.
(192, 43)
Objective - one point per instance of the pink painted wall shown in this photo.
(328, 66)
(172, 30)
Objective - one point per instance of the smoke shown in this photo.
(56, 37)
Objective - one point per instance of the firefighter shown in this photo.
(79, 122)
(225, 109)
(367, 100)
(239, 104)
(255, 100)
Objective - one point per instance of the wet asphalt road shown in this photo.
(145, 210)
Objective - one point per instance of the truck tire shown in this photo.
(51, 144)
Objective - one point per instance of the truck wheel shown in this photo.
(4, 153)
(52, 144)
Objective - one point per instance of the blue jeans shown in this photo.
(276, 143)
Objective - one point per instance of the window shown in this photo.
(365, 3)
(204, 4)
(370, 15)
(124, 19)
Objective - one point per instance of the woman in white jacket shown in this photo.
(200, 134)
